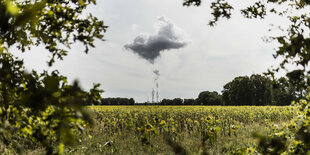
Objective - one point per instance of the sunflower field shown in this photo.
(181, 129)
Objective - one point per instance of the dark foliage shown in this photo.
(209, 98)
(244, 90)
(117, 101)
(43, 109)
(260, 90)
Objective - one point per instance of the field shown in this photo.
(179, 129)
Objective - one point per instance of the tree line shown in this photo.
(259, 90)
(117, 101)
(256, 90)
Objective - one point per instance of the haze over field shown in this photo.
(145, 36)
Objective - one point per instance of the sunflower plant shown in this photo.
(146, 132)
(293, 138)
(209, 130)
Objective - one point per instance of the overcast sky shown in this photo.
(148, 35)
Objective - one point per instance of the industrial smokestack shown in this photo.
(157, 97)
(155, 90)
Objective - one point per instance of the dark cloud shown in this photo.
(149, 46)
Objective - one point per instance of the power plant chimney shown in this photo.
(155, 90)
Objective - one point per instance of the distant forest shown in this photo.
(256, 90)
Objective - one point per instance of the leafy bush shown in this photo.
(43, 109)
(40, 108)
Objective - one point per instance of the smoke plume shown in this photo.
(167, 37)
(156, 72)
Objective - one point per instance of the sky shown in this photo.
(159, 35)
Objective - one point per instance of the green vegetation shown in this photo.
(116, 101)
(180, 129)
(260, 90)
(41, 110)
